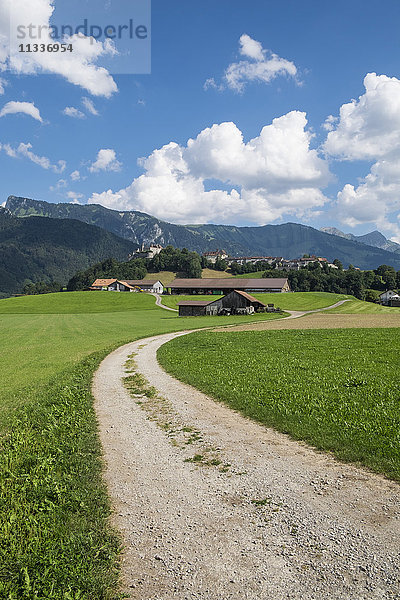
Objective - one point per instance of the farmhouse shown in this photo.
(389, 298)
(129, 285)
(213, 255)
(224, 286)
(236, 302)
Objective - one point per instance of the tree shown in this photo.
(338, 264)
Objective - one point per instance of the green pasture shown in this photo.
(77, 303)
(287, 301)
(339, 390)
(56, 543)
(359, 307)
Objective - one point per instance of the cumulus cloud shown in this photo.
(78, 67)
(369, 129)
(272, 175)
(258, 65)
(106, 161)
(71, 111)
(90, 107)
(75, 176)
(25, 150)
(28, 108)
(376, 199)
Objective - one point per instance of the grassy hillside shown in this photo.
(56, 540)
(77, 303)
(359, 307)
(164, 276)
(338, 390)
(212, 274)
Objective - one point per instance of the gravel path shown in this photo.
(160, 304)
(212, 506)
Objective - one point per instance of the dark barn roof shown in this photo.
(228, 283)
(249, 297)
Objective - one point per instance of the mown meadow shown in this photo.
(336, 389)
(55, 540)
(290, 301)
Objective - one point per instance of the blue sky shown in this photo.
(221, 71)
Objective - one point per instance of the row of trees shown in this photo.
(315, 277)
(41, 287)
(365, 285)
(189, 264)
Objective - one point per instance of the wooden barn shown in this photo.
(193, 308)
(236, 302)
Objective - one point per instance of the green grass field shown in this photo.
(56, 543)
(359, 307)
(290, 301)
(337, 389)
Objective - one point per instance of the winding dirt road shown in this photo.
(212, 506)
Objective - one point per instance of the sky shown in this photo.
(219, 111)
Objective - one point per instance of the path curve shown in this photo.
(295, 314)
(159, 302)
(281, 521)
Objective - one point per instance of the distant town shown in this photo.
(278, 262)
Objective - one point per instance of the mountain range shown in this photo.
(374, 238)
(290, 240)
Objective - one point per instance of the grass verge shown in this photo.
(55, 540)
(336, 389)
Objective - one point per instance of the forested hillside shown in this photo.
(43, 249)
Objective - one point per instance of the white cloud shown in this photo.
(75, 176)
(251, 48)
(272, 175)
(259, 65)
(71, 111)
(330, 123)
(25, 150)
(106, 161)
(369, 129)
(8, 150)
(75, 197)
(78, 67)
(28, 108)
(3, 84)
(61, 183)
(375, 199)
(90, 107)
